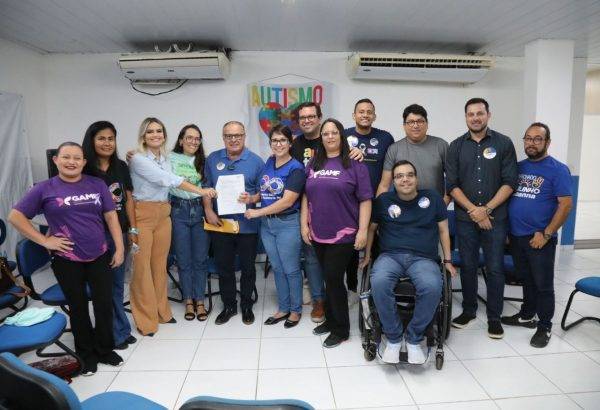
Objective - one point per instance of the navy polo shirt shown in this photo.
(410, 226)
(250, 165)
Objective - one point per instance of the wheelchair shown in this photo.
(436, 333)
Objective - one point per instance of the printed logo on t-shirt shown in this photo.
(529, 186)
(362, 147)
(326, 173)
(117, 194)
(373, 151)
(352, 141)
(424, 202)
(79, 200)
(307, 155)
(394, 211)
(374, 142)
(220, 166)
(272, 185)
(489, 152)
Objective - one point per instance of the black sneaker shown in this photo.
(111, 359)
(495, 330)
(517, 320)
(462, 320)
(321, 329)
(122, 346)
(130, 339)
(333, 340)
(89, 368)
(540, 338)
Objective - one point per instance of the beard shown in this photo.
(535, 154)
(482, 127)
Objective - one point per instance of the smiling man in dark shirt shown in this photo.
(481, 175)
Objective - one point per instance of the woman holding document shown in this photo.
(282, 184)
(152, 178)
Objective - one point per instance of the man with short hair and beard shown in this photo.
(481, 174)
(537, 209)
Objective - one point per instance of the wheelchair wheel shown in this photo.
(370, 352)
(448, 303)
(361, 320)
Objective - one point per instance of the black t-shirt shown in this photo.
(303, 150)
(119, 182)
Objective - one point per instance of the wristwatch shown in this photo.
(447, 260)
(133, 231)
(488, 210)
(547, 236)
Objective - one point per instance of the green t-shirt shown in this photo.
(183, 166)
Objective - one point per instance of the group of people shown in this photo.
(324, 196)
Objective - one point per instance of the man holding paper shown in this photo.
(235, 173)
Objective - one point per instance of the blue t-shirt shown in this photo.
(250, 165)
(410, 226)
(290, 176)
(374, 147)
(534, 203)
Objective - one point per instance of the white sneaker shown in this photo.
(416, 355)
(391, 353)
(353, 298)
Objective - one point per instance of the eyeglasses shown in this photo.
(279, 142)
(412, 123)
(410, 175)
(232, 137)
(535, 140)
(192, 139)
(307, 118)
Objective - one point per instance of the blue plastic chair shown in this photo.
(589, 286)
(217, 403)
(31, 257)
(27, 388)
(8, 299)
(21, 339)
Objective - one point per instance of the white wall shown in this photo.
(22, 72)
(81, 89)
(589, 188)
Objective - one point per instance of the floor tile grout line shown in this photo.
(476, 380)
(264, 298)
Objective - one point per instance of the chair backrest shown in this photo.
(2, 231)
(24, 388)
(30, 257)
(217, 403)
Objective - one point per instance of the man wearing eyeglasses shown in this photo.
(234, 159)
(537, 209)
(427, 152)
(481, 175)
(411, 222)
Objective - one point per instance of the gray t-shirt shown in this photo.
(429, 157)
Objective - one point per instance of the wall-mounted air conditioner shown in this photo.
(418, 67)
(175, 66)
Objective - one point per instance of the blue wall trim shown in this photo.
(568, 230)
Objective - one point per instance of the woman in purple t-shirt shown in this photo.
(76, 207)
(336, 208)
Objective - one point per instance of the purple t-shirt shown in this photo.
(74, 210)
(334, 194)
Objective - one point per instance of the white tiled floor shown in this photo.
(188, 359)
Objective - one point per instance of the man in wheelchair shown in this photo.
(409, 222)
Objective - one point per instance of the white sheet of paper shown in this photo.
(229, 188)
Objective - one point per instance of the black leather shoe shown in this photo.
(290, 323)
(225, 315)
(247, 316)
(172, 320)
(274, 320)
(130, 339)
(122, 346)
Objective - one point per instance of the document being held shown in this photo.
(229, 188)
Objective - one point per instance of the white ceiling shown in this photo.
(497, 27)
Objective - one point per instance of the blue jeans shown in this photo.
(190, 242)
(312, 270)
(282, 241)
(425, 275)
(470, 239)
(121, 326)
(536, 268)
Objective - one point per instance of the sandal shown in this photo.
(190, 315)
(202, 315)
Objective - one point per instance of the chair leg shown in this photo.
(563, 323)
(177, 285)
